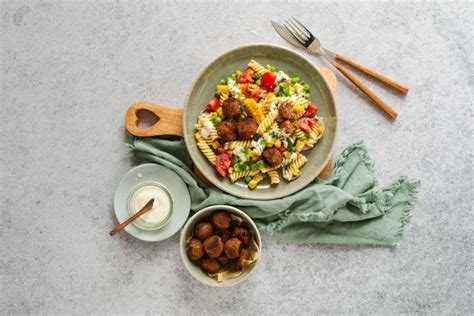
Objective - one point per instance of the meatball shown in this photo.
(231, 107)
(210, 265)
(232, 248)
(224, 234)
(272, 157)
(194, 249)
(203, 230)
(226, 131)
(223, 260)
(221, 220)
(213, 246)
(286, 111)
(244, 255)
(288, 126)
(243, 234)
(246, 128)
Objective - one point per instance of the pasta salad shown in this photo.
(259, 123)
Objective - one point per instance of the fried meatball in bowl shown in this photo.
(202, 268)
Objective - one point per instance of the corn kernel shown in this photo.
(278, 143)
(320, 129)
(215, 145)
(238, 72)
(286, 154)
(220, 112)
(298, 108)
(296, 172)
(198, 136)
(222, 89)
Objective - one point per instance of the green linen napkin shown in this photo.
(348, 207)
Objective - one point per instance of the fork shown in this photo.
(312, 45)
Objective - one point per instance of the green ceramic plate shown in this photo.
(289, 61)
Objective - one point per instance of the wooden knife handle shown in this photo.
(169, 122)
(392, 83)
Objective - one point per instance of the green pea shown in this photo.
(258, 82)
(217, 119)
(306, 87)
(248, 179)
(257, 75)
(272, 69)
(222, 82)
(306, 96)
(295, 79)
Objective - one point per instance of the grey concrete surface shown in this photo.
(71, 68)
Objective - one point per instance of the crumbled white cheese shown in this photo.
(206, 129)
(293, 156)
(273, 106)
(233, 87)
(282, 76)
(238, 152)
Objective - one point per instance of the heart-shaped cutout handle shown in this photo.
(169, 121)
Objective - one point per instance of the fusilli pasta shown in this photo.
(267, 122)
(293, 170)
(274, 177)
(234, 176)
(207, 151)
(257, 67)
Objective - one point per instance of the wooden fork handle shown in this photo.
(382, 105)
(395, 85)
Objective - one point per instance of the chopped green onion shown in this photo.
(285, 88)
(263, 142)
(307, 137)
(295, 79)
(235, 159)
(306, 87)
(257, 75)
(248, 179)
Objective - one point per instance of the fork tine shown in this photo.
(304, 27)
(302, 39)
(302, 30)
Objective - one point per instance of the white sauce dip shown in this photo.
(161, 206)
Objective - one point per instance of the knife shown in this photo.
(287, 36)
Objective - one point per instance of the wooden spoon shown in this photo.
(117, 229)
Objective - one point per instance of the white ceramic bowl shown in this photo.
(193, 268)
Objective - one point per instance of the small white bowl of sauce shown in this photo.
(170, 209)
(161, 210)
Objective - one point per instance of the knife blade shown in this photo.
(285, 34)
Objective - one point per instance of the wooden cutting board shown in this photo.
(171, 122)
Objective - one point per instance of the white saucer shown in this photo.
(167, 178)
